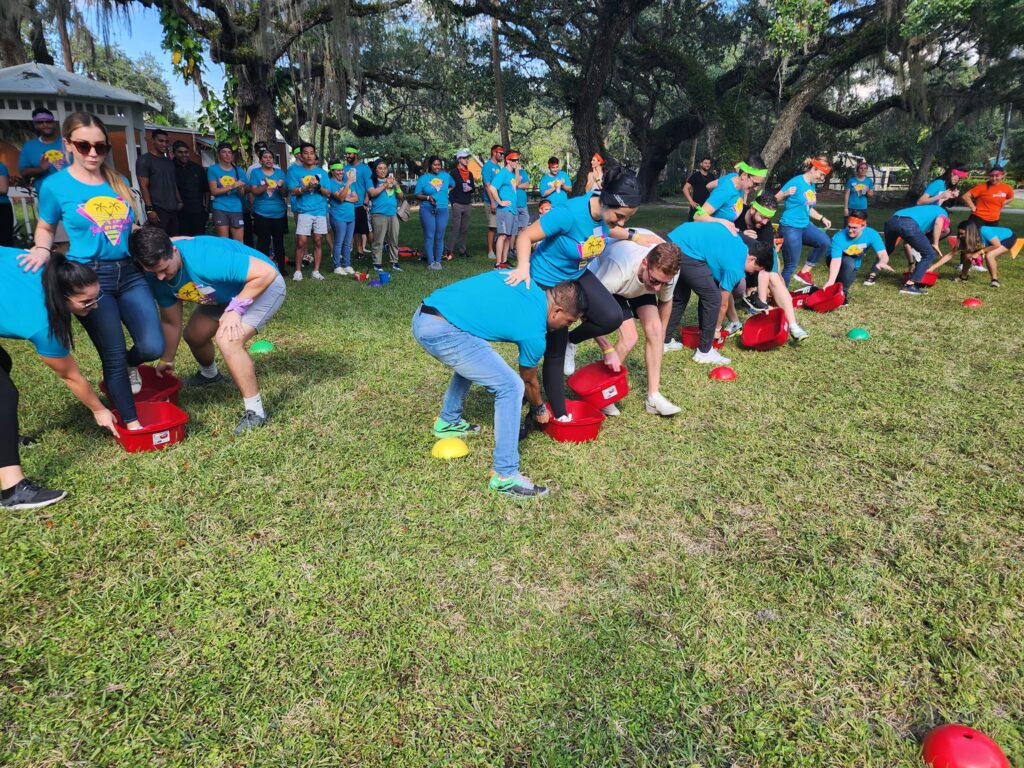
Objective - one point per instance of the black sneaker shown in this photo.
(912, 290)
(24, 441)
(198, 380)
(754, 304)
(870, 280)
(28, 495)
(250, 420)
(396, 268)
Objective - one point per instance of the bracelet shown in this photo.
(168, 363)
(239, 305)
(608, 351)
(48, 250)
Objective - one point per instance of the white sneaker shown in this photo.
(564, 419)
(349, 270)
(611, 410)
(672, 346)
(712, 356)
(734, 327)
(798, 333)
(135, 378)
(340, 271)
(659, 404)
(569, 368)
(491, 256)
(297, 277)
(317, 275)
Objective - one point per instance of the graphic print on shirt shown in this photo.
(310, 180)
(854, 249)
(227, 181)
(197, 294)
(55, 157)
(591, 248)
(108, 215)
(436, 184)
(810, 197)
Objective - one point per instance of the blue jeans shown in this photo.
(474, 361)
(126, 299)
(793, 241)
(435, 222)
(847, 274)
(910, 231)
(343, 231)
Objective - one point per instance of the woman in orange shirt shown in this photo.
(986, 201)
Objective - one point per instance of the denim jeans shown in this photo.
(126, 299)
(435, 222)
(793, 241)
(910, 231)
(847, 274)
(474, 361)
(343, 231)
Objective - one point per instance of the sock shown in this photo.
(6, 493)
(209, 371)
(255, 404)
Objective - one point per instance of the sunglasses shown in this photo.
(87, 304)
(83, 147)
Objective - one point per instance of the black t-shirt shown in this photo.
(700, 182)
(765, 234)
(192, 185)
(161, 174)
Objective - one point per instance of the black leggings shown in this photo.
(6, 224)
(696, 277)
(604, 315)
(8, 414)
(272, 231)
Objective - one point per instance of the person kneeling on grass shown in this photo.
(238, 290)
(986, 241)
(848, 247)
(714, 260)
(641, 279)
(912, 224)
(455, 324)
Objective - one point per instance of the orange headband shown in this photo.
(597, 159)
(853, 218)
(823, 167)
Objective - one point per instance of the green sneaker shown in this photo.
(460, 428)
(518, 486)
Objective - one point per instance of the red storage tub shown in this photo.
(584, 427)
(690, 335)
(930, 278)
(599, 385)
(766, 331)
(154, 388)
(826, 299)
(801, 296)
(163, 424)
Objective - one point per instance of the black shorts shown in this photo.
(630, 307)
(362, 221)
(1009, 242)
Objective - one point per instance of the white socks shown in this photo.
(255, 404)
(209, 371)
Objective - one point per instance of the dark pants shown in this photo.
(847, 274)
(126, 299)
(6, 224)
(247, 229)
(603, 316)
(271, 231)
(980, 221)
(8, 414)
(169, 222)
(908, 229)
(192, 223)
(696, 277)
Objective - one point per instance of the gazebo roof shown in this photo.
(35, 80)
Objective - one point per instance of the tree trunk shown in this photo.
(255, 100)
(65, 37)
(782, 134)
(12, 47)
(586, 131)
(499, 88)
(693, 155)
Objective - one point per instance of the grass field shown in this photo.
(809, 566)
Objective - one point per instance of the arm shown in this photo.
(688, 194)
(170, 325)
(834, 265)
(524, 247)
(846, 202)
(731, 226)
(375, 191)
(492, 192)
(818, 216)
(622, 233)
(664, 312)
(39, 253)
(969, 202)
(5, 184)
(259, 278)
(68, 370)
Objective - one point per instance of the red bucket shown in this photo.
(801, 296)
(598, 385)
(930, 278)
(163, 424)
(826, 299)
(155, 389)
(690, 335)
(584, 427)
(766, 331)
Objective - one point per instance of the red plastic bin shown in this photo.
(930, 278)
(765, 331)
(584, 427)
(690, 336)
(154, 388)
(826, 299)
(599, 385)
(163, 424)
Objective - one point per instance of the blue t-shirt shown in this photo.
(489, 171)
(23, 311)
(98, 220)
(364, 180)
(32, 153)
(487, 307)
(988, 234)
(935, 187)
(504, 184)
(796, 211)
(386, 203)
(4, 199)
(436, 185)
(844, 245)
(269, 204)
(346, 209)
(710, 242)
(858, 192)
(725, 201)
(521, 197)
(547, 181)
(213, 271)
(226, 179)
(924, 215)
(313, 202)
(572, 239)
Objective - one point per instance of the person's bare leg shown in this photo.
(240, 365)
(781, 295)
(10, 476)
(300, 251)
(627, 339)
(316, 252)
(238, 233)
(199, 335)
(763, 283)
(221, 231)
(731, 310)
(654, 348)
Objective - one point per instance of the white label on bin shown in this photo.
(159, 438)
(609, 392)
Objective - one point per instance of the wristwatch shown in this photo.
(632, 233)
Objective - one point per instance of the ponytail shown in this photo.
(61, 278)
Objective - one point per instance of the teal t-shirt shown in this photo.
(313, 202)
(22, 310)
(710, 242)
(844, 245)
(924, 215)
(988, 234)
(269, 204)
(547, 181)
(935, 187)
(858, 192)
(522, 201)
(98, 220)
(213, 271)
(572, 239)
(386, 203)
(489, 171)
(32, 153)
(725, 201)
(437, 185)
(504, 184)
(487, 307)
(796, 209)
(344, 210)
(364, 180)
(226, 179)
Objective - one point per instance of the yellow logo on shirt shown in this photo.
(271, 184)
(202, 294)
(109, 216)
(810, 197)
(856, 249)
(55, 157)
(310, 179)
(859, 187)
(436, 184)
(227, 181)
(590, 249)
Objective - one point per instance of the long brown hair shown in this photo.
(77, 120)
(969, 235)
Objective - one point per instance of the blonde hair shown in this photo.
(820, 158)
(970, 238)
(78, 120)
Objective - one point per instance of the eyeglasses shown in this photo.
(653, 280)
(83, 147)
(87, 304)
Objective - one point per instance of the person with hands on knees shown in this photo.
(454, 325)
(799, 197)
(848, 248)
(238, 290)
(730, 191)
(985, 242)
(912, 225)
(569, 237)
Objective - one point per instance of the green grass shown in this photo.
(810, 566)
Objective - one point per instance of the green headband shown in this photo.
(761, 209)
(337, 166)
(350, 150)
(759, 172)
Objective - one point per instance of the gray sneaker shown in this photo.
(250, 421)
(29, 495)
(198, 380)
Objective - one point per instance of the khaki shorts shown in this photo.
(260, 311)
(492, 217)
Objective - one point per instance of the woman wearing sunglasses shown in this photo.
(94, 203)
(37, 307)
